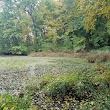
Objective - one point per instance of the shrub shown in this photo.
(100, 102)
(106, 48)
(102, 79)
(79, 43)
(108, 57)
(46, 79)
(91, 59)
(81, 54)
(98, 57)
(8, 102)
(19, 50)
(101, 57)
(60, 86)
(69, 84)
(31, 88)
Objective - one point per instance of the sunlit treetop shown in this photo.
(92, 9)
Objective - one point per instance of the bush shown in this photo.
(79, 43)
(91, 59)
(8, 102)
(31, 88)
(19, 50)
(106, 48)
(98, 57)
(46, 79)
(101, 57)
(58, 88)
(100, 102)
(103, 79)
(108, 57)
(81, 54)
(74, 85)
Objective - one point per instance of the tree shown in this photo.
(12, 33)
(61, 24)
(92, 10)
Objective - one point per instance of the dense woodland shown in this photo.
(54, 25)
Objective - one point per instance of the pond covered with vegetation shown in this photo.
(16, 71)
(49, 82)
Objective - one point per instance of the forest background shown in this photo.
(54, 25)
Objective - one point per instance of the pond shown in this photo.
(17, 71)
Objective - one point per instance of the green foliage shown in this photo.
(74, 85)
(91, 92)
(19, 50)
(14, 103)
(47, 47)
(79, 44)
(108, 27)
(100, 102)
(57, 25)
(31, 88)
(46, 79)
(67, 43)
(105, 49)
(86, 88)
(103, 79)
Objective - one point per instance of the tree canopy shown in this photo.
(56, 25)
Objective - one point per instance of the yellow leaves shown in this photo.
(24, 22)
(96, 4)
(33, 108)
(89, 23)
(82, 4)
(104, 2)
(51, 32)
(57, 12)
(13, 108)
(16, 22)
(97, 8)
(105, 11)
(57, 3)
(5, 108)
(51, 23)
(25, 31)
(92, 103)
